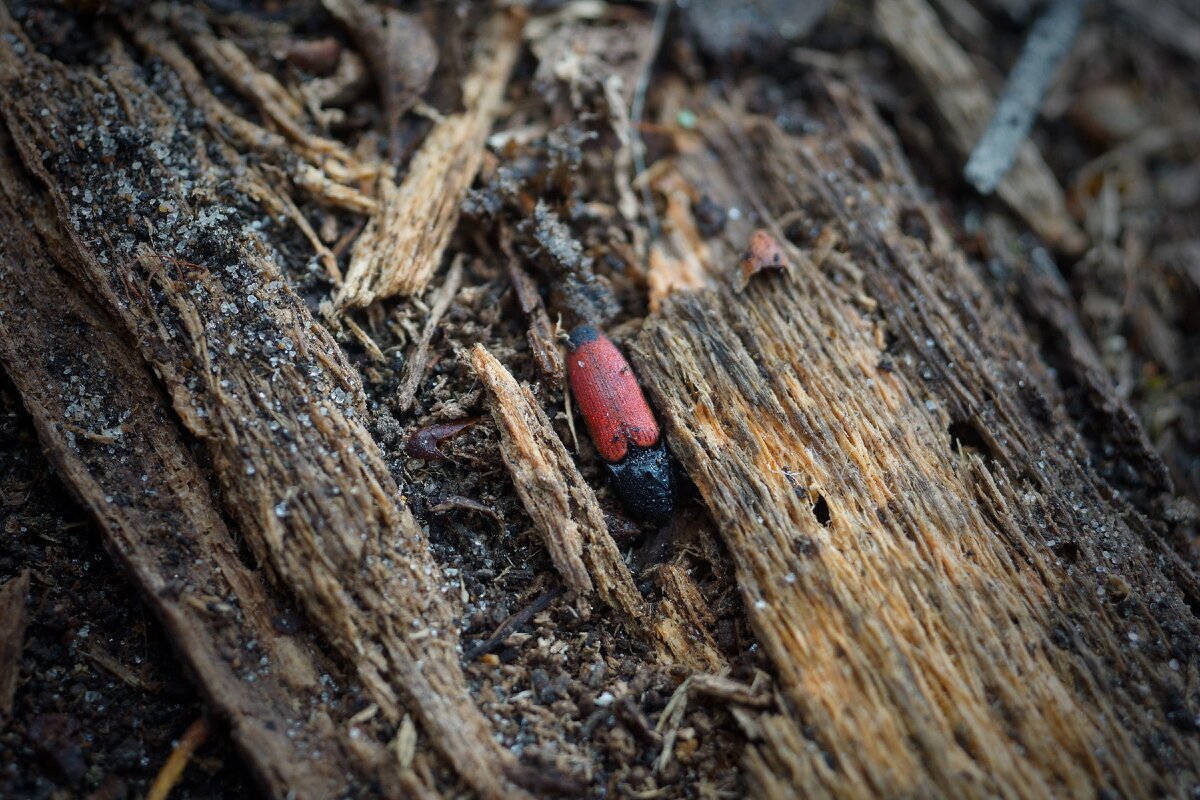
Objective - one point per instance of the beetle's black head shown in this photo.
(643, 482)
(581, 335)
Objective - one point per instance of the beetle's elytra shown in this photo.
(621, 424)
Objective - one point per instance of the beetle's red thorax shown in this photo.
(610, 398)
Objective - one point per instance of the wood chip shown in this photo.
(545, 347)
(729, 691)
(403, 244)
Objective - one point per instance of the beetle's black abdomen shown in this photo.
(643, 482)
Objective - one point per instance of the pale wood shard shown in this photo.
(14, 615)
(542, 476)
(403, 244)
(265, 390)
(941, 619)
(568, 516)
(718, 687)
(964, 104)
(414, 370)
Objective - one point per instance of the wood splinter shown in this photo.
(13, 619)
(176, 763)
(403, 244)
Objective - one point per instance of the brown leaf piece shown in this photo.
(400, 51)
(764, 253)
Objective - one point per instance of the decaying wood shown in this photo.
(570, 521)
(720, 688)
(320, 166)
(142, 484)
(964, 104)
(264, 389)
(14, 616)
(945, 528)
(944, 620)
(404, 242)
(681, 259)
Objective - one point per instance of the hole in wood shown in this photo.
(821, 511)
(1068, 551)
(914, 224)
(965, 434)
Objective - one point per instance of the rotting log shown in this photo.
(956, 601)
(110, 434)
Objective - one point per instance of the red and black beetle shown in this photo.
(621, 423)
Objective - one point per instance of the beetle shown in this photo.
(621, 424)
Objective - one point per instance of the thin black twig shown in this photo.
(514, 621)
